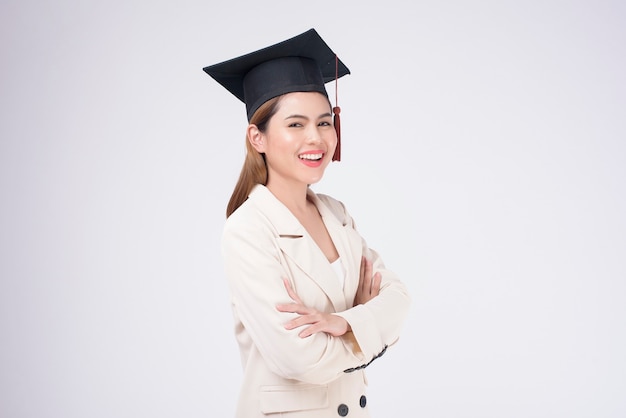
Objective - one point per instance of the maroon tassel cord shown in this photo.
(337, 123)
(336, 111)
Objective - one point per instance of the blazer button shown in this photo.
(342, 410)
(363, 401)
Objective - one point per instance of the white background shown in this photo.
(484, 157)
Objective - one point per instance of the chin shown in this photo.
(314, 180)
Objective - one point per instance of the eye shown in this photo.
(295, 125)
(324, 123)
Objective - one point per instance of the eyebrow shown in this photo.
(296, 116)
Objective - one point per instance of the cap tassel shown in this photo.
(336, 111)
(337, 123)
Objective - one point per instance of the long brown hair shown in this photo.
(254, 170)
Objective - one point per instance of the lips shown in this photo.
(312, 158)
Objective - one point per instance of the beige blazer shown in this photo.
(285, 375)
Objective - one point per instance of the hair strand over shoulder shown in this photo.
(254, 170)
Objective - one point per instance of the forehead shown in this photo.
(304, 103)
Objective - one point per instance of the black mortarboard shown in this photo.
(302, 63)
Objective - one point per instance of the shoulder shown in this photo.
(334, 206)
(246, 231)
(249, 216)
(261, 212)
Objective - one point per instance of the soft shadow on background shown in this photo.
(484, 157)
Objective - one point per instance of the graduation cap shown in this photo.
(303, 63)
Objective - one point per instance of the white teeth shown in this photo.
(311, 156)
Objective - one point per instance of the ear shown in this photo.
(256, 138)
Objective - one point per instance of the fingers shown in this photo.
(298, 308)
(375, 288)
(303, 320)
(319, 322)
(366, 280)
(313, 320)
(306, 315)
(313, 329)
(365, 274)
(361, 275)
(369, 285)
(334, 325)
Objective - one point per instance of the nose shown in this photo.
(314, 136)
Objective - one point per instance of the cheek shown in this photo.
(281, 143)
(331, 139)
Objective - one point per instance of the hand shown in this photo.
(318, 321)
(369, 286)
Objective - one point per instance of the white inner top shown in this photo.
(337, 265)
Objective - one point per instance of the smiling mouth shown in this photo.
(311, 157)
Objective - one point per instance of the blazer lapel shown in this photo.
(299, 247)
(349, 247)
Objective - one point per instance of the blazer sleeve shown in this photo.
(255, 270)
(376, 324)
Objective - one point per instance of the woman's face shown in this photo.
(300, 139)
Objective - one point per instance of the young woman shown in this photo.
(313, 304)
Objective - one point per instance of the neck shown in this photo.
(293, 197)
